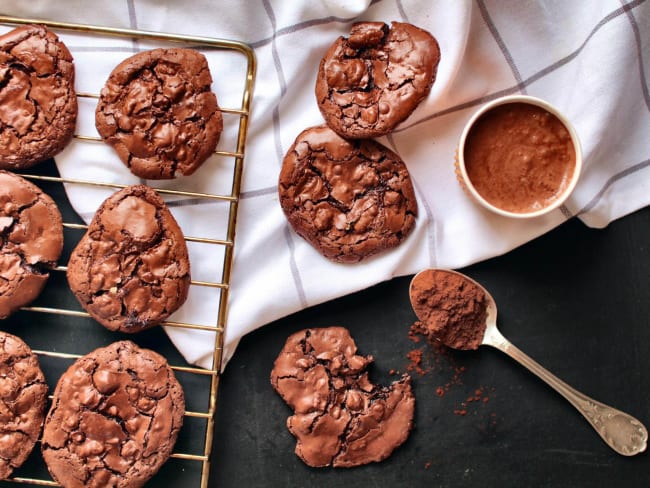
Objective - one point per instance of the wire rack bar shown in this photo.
(208, 284)
(232, 200)
(164, 191)
(79, 313)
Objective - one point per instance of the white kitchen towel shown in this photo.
(590, 59)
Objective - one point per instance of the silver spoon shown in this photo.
(622, 432)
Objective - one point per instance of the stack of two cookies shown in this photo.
(349, 196)
(157, 110)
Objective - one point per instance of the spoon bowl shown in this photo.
(623, 433)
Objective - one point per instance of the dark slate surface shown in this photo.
(577, 300)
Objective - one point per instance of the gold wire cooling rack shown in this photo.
(192, 466)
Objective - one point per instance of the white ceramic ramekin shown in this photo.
(465, 181)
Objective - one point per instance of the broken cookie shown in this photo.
(340, 419)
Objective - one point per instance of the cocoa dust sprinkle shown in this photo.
(442, 359)
(415, 362)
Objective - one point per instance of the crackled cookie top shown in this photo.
(131, 269)
(341, 418)
(38, 105)
(31, 241)
(372, 80)
(348, 199)
(115, 416)
(23, 394)
(158, 111)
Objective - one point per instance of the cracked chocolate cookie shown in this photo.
(131, 269)
(23, 394)
(340, 418)
(115, 417)
(373, 80)
(31, 241)
(38, 104)
(158, 112)
(349, 199)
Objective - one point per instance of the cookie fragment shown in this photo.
(23, 394)
(350, 199)
(340, 419)
(115, 417)
(158, 111)
(131, 269)
(38, 104)
(31, 241)
(374, 79)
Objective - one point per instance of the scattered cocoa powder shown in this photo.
(480, 396)
(442, 359)
(414, 332)
(451, 308)
(439, 358)
(415, 364)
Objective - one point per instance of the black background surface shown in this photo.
(576, 299)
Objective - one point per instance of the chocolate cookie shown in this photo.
(349, 199)
(340, 418)
(115, 416)
(31, 241)
(23, 393)
(38, 104)
(131, 269)
(158, 112)
(373, 80)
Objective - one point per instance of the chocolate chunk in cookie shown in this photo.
(131, 269)
(115, 417)
(340, 418)
(158, 112)
(38, 104)
(373, 80)
(349, 199)
(31, 241)
(23, 394)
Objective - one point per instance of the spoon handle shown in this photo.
(622, 432)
